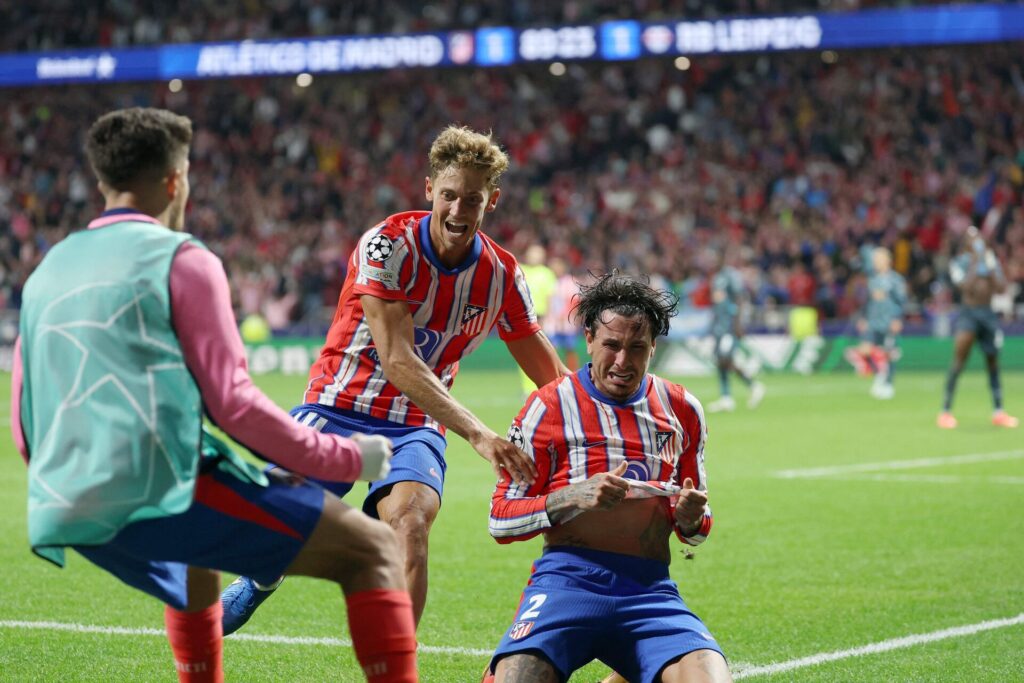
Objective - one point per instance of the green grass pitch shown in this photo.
(885, 527)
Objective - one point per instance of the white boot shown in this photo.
(725, 404)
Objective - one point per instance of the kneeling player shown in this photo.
(619, 451)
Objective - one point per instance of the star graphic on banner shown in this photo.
(94, 386)
(106, 64)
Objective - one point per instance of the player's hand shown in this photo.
(896, 326)
(376, 452)
(602, 491)
(690, 507)
(862, 326)
(504, 457)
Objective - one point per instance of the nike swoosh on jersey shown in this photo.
(594, 444)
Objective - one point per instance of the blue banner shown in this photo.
(501, 46)
(80, 66)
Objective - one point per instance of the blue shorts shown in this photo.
(582, 605)
(418, 451)
(564, 340)
(983, 323)
(233, 525)
(882, 339)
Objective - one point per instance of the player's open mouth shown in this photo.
(456, 228)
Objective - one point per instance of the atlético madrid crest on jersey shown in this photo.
(520, 629)
(473, 319)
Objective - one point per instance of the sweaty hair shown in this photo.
(628, 297)
(462, 147)
(129, 145)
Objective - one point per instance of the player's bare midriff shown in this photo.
(634, 527)
(978, 291)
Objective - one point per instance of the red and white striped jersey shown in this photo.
(572, 432)
(452, 312)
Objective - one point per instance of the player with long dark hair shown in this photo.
(621, 457)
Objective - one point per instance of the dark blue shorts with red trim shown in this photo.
(583, 604)
(233, 525)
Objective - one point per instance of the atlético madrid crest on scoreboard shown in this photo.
(520, 629)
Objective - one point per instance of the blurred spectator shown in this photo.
(632, 165)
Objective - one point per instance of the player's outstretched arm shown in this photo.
(214, 354)
(392, 330)
(538, 358)
(17, 433)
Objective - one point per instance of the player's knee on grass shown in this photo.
(706, 666)
(516, 668)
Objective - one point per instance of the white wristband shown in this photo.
(376, 454)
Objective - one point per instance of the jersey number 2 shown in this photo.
(535, 602)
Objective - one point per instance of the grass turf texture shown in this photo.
(794, 567)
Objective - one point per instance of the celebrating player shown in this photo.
(422, 292)
(127, 337)
(622, 457)
(978, 275)
(880, 321)
(727, 295)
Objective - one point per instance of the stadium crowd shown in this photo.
(790, 161)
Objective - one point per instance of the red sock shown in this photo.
(383, 635)
(196, 641)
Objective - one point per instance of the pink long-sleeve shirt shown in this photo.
(214, 354)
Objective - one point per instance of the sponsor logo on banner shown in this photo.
(520, 629)
(473, 319)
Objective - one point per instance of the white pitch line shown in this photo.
(916, 463)
(740, 670)
(938, 478)
(250, 637)
(882, 646)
